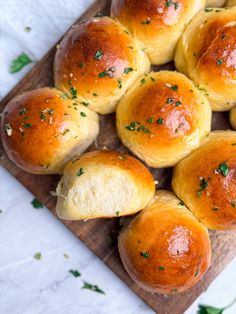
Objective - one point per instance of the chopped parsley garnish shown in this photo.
(203, 185)
(137, 126)
(108, 73)
(178, 103)
(8, 129)
(119, 83)
(73, 92)
(75, 273)
(171, 2)
(27, 29)
(220, 61)
(127, 70)
(20, 62)
(147, 21)
(169, 100)
(181, 203)
(98, 55)
(150, 120)
(28, 125)
(223, 169)
(38, 256)
(215, 209)
(65, 132)
(161, 268)
(83, 114)
(91, 287)
(152, 79)
(160, 121)
(95, 94)
(174, 290)
(174, 87)
(22, 111)
(196, 273)
(80, 172)
(143, 81)
(81, 65)
(208, 10)
(117, 213)
(233, 204)
(85, 103)
(206, 309)
(145, 254)
(36, 203)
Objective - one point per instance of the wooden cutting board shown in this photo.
(101, 235)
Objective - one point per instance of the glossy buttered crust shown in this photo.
(104, 184)
(215, 3)
(165, 249)
(163, 118)
(157, 23)
(42, 130)
(230, 3)
(206, 181)
(100, 60)
(206, 53)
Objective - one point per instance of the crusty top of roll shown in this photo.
(98, 59)
(165, 249)
(163, 117)
(206, 181)
(104, 184)
(42, 130)
(206, 50)
(157, 23)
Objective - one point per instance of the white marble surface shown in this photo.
(30, 286)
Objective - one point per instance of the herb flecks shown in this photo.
(80, 172)
(128, 70)
(145, 254)
(203, 185)
(38, 256)
(20, 62)
(36, 203)
(137, 126)
(109, 72)
(161, 267)
(223, 169)
(98, 55)
(147, 21)
(75, 273)
(91, 287)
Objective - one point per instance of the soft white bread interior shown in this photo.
(42, 130)
(163, 118)
(165, 249)
(206, 53)
(158, 24)
(97, 61)
(104, 184)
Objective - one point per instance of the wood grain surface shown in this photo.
(101, 235)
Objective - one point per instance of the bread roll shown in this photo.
(156, 23)
(104, 184)
(97, 61)
(42, 130)
(206, 53)
(165, 249)
(206, 181)
(215, 3)
(230, 3)
(163, 118)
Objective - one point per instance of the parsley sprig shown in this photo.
(20, 62)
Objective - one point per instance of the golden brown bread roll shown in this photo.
(206, 181)
(230, 3)
(156, 23)
(206, 53)
(163, 118)
(104, 184)
(165, 249)
(97, 61)
(42, 130)
(215, 3)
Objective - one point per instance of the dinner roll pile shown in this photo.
(163, 117)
